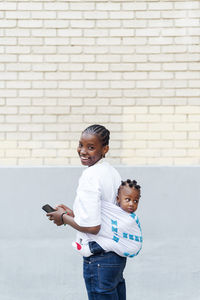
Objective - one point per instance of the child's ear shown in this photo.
(117, 200)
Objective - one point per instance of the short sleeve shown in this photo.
(87, 206)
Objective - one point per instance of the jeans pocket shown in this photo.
(109, 276)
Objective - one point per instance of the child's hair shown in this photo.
(100, 131)
(130, 183)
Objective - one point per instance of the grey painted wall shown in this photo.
(36, 257)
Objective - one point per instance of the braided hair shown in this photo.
(130, 183)
(100, 131)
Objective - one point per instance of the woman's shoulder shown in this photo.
(100, 169)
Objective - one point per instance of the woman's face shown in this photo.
(90, 149)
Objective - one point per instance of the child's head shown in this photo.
(128, 195)
(93, 144)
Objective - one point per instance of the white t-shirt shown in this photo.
(97, 184)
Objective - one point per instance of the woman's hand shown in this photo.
(67, 209)
(56, 216)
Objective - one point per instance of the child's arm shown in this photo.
(68, 219)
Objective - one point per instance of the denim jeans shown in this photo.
(103, 275)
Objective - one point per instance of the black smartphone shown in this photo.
(48, 208)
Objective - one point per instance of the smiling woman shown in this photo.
(98, 185)
(90, 149)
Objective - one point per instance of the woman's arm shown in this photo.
(69, 219)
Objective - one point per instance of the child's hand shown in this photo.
(56, 216)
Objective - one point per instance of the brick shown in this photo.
(44, 14)
(108, 58)
(44, 32)
(122, 15)
(30, 76)
(7, 23)
(8, 41)
(15, 153)
(108, 41)
(96, 84)
(134, 6)
(44, 153)
(149, 14)
(108, 23)
(30, 41)
(28, 6)
(82, 23)
(163, 40)
(56, 41)
(98, 67)
(174, 152)
(67, 32)
(186, 23)
(188, 92)
(56, 6)
(175, 66)
(135, 41)
(98, 15)
(30, 58)
(161, 58)
(56, 23)
(82, 58)
(160, 6)
(111, 110)
(148, 84)
(134, 58)
(122, 67)
(82, 6)
(174, 84)
(44, 84)
(187, 5)
(108, 6)
(18, 85)
(8, 75)
(29, 23)
(161, 75)
(8, 6)
(185, 40)
(70, 67)
(135, 110)
(96, 119)
(17, 50)
(173, 14)
(70, 84)
(83, 76)
(8, 58)
(122, 84)
(148, 67)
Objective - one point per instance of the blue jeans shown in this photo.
(103, 275)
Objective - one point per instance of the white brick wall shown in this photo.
(130, 65)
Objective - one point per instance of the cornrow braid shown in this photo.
(100, 131)
(130, 183)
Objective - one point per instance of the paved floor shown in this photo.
(50, 269)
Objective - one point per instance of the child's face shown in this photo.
(128, 198)
(90, 149)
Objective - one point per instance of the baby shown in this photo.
(120, 228)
